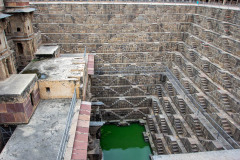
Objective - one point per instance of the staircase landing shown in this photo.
(213, 155)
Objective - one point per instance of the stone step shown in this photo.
(194, 148)
(174, 147)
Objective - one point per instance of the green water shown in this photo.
(124, 143)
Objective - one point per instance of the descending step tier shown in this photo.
(173, 68)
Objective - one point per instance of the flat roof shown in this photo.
(41, 137)
(46, 50)
(16, 84)
(61, 68)
(20, 10)
(4, 15)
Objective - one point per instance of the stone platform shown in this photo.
(41, 138)
(213, 155)
(16, 84)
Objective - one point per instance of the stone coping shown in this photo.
(90, 64)
(16, 84)
(147, 3)
(80, 145)
(47, 50)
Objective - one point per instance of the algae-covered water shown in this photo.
(124, 143)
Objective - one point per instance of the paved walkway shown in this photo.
(41, 137)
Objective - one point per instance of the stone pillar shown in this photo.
(2, 71)
(6, 68)
(13, 65)
(10, 65)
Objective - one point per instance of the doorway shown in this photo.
(20, 48)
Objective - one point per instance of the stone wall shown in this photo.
(20, 110)
(133, 44)
(232, 3)
(55, 89)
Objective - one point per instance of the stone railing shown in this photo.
(224, 2)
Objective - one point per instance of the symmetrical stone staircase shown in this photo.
(194, 148)
(170, 89)
(197, 128)
(226, 103)
(204, 84)
(186, 86)
(167, 107)
(206, 67)
(155, 107)
(178, 126)
(133, 45)
(159, 146)
(226, 126)
(202, 102)
(182, 106)
(174, 147)
(189, 70)
(163, 126)
(151, 124)
(159, 90)
(226, 82)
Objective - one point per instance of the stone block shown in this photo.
(85, 107)
(82, 129)
(81, 137)
(84, 112)
(7, 118)
(80, 145)
(82, 123)
(29, 112)
(20, 117)
(14, 108)
(79, 156)
(3, 108)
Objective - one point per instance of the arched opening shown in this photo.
(20, 48)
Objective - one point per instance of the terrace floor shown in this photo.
(40, 139)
